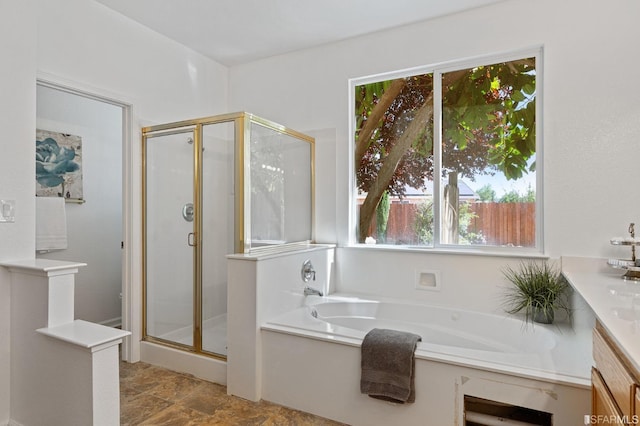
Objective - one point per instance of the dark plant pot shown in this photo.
(542, 317)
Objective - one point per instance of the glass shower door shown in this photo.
(170, 237)
(208, 185)
(218, 231)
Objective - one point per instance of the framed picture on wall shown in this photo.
(58, 165)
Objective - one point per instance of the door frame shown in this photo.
(129, 300)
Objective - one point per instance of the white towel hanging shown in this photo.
(51, 223)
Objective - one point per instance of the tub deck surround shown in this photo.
(611, 298)
(322, 378)
(260, 287)
(550, 353)
(313, 358)
(277, 351)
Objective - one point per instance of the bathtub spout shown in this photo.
(308, 291)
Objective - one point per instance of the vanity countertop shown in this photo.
(614, 301)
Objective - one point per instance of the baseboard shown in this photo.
(113, 322)
(203, 367)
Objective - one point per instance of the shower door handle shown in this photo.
(191, 239)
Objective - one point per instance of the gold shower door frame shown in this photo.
(242, 188)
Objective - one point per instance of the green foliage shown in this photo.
(424, 225)
(366, 96)
(382, 217)
(417, 162)
(536, 286)
(492, 106)
(488, 124)
(465, 216)
(514, 196)
(530, 196)
(486, 193)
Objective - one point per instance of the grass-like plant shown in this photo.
(537, 289)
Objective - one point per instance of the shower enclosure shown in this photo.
(214, 186)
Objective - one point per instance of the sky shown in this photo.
(501, 185)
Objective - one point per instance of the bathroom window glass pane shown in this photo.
(446, 156)
(394, 160)
(281, 189)
(489, 155)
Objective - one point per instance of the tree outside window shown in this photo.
(484, 157)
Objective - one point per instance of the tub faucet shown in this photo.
(308, 291)
(307, 274)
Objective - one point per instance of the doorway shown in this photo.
(95, 221)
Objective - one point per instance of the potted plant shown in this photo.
(537, 288)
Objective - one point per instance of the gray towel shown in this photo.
(388, 364)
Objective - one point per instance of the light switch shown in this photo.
(7, 210)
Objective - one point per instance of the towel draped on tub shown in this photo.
(388, 364)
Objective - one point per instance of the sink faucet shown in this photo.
(308, 273)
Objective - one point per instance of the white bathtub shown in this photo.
(439, 327)
(489, 341)
(462, 353)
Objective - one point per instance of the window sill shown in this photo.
(512, 252)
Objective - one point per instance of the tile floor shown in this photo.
(150, 395)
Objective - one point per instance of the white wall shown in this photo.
(94, 229)
(590, 106)
(88, 46)
(85, 45)
(17, 168)
(591, 120)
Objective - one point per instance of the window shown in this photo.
(445, 156)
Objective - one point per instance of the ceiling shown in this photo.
(233, 32)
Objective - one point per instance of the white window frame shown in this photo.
(437, 70)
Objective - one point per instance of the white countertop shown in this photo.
(611, 298)
(85, 334)
(41, 265)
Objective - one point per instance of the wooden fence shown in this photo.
(501, 224)
(505, 224)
